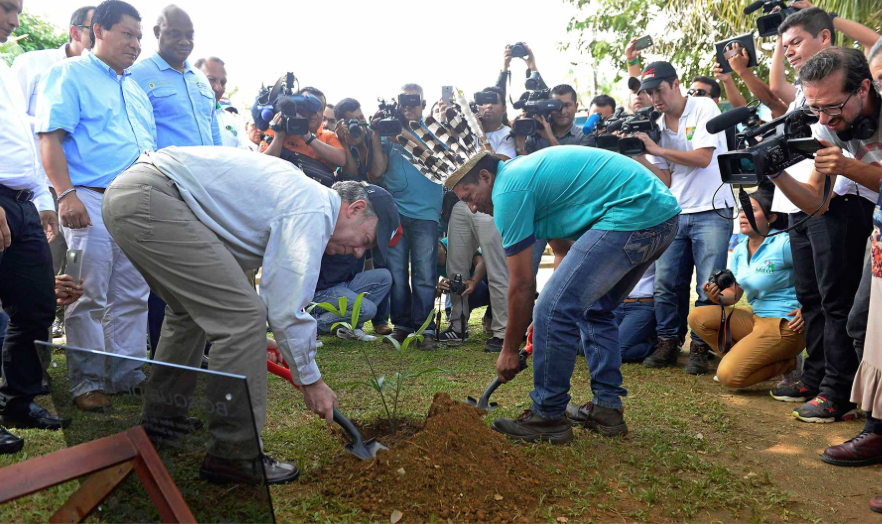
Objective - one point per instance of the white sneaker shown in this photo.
(364, 337)
(344, 333)
(318, 341)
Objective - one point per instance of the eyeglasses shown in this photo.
(877, 85)
(697, 92)
(829, 111)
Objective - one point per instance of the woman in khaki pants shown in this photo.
(768, 337)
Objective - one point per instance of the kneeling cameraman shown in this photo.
(768, 339)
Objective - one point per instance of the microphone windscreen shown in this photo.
(591, 123)
(753, 7)
(727, 120)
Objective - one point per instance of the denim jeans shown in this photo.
(702, 243)
(636, 321)
(375, 283)
(860, 311)
(413, 265)
(578, 301)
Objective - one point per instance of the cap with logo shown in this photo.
(389, 230)
(655, 73)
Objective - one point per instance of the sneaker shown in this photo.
(494, 345)
(358, 334)
(530, 427)
(606, 421)
(793, 392)
(398, 334)
(863, 450)
(698, 351)
(823, 411)
(664, 354)
(382, 329)
(449, 335)
(487, 323)
(318, 341)
(58, 328)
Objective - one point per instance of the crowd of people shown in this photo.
(145, 170)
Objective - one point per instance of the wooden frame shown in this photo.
(108, 462)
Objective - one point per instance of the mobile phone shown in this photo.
(643, 42)
(447, 95)
(805, 146)
(73, 266)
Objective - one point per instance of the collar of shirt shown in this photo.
(164, 66)
(97, 62)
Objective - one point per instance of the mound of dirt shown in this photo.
(456, 468)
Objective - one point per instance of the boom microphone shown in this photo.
(728, 119)
(754, 6)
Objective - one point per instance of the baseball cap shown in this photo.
(389, 230)
(655, 73)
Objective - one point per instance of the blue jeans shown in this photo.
(702, 243)
(578, 301)
(413, 264)
(375, 283)
(636, 321)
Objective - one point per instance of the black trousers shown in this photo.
(27, 291)
(828, 259)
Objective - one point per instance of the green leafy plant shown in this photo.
(33, 33)
(388, 390)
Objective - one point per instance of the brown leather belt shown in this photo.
(97, 189)
(629, 300)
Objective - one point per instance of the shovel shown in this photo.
(484, 402)
(358, 447)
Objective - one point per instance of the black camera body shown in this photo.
(723, 278)
(410, 100)
(645, 121)
(537, 102)
(390, 124)
(518, 50)
(355, 128)
(754, 160)
(486, 97)
(457, 286)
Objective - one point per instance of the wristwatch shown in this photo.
(310, 139)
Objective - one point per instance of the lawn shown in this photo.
(696, 452)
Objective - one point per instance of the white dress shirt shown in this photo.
(19, 164)
(267, 213)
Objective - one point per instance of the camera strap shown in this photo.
(724, 336)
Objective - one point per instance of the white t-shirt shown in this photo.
(694, 187)
(646, 287)
(800, 172)
(502, 142)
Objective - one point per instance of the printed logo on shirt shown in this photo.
(766, 268)
(689, 132)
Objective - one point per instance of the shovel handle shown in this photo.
(485, 398)
(349, 427)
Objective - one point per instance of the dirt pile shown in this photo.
(456, 468)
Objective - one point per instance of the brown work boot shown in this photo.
(382, 329)
(530, 427)
(698, 351)
(606, 421)
(93, 401)
(664, 354)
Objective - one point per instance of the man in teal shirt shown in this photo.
(607, 218)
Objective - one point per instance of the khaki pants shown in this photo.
(763, 347)
(206, 294)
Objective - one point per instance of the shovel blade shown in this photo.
(366, 450)
(471, 401)
(489, 407)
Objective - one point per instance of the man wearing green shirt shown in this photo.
(607, 218)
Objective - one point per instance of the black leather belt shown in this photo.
(19, 195)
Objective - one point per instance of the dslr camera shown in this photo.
(753, 160)
(456, 285)
(283, 98)
(767, 25)
(355, 128)
(644, 121)
(518, 50)
(537, 102)
(390, 124)
(723, 278)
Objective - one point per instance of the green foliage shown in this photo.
(389, 391)
(684, 31)
(33, 34)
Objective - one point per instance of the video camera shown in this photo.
(644, 121)
(767, 25)
(537, 102)
(762, 150)
(390, 124)
(283, 98)
(486, 97)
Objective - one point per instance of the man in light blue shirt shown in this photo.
(93, 122)
(181, 96)
(608, 219)
(183, 106)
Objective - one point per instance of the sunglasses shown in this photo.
(697, 92)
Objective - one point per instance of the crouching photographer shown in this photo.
(465, 292)
(765, 342)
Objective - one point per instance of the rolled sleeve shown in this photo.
(291, 267)
(59, 106)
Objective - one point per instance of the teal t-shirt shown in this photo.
(415, 195)
(560, 192)
(767, 279)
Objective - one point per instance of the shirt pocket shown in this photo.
(164, 102)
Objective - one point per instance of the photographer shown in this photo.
(494, 123)
(317, 144)
(559, 130)
(768, 337)
(419, 205)
(604, 105)
(476, 294)
(837, 85)
(532, 70)
(687, 154)
(358, 146)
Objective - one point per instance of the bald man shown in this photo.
(183, 106)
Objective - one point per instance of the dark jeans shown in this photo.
(636, 321)
(155, 316)
(828, 259)
(860, 311)
(27, 291)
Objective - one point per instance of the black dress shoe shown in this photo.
(32, 416)
(9, 443)
(224, 471)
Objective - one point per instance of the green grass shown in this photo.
(679, 463)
